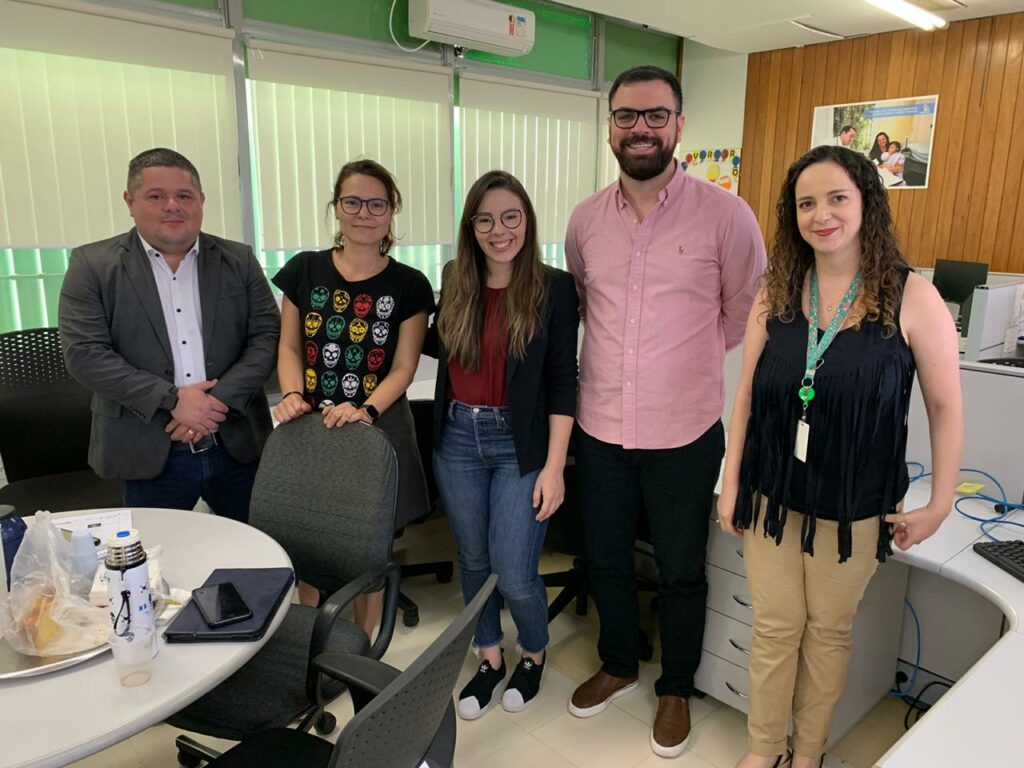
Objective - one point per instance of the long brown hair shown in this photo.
(376, 171)
(461, 320)
(880, 259)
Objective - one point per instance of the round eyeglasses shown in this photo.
(377, 206)
(656, 117)
(484, 222)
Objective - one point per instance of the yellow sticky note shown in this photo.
(969, 488)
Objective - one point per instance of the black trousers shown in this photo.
(675, 486)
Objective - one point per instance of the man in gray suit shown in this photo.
(175, 331)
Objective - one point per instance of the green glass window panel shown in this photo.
(563, 45)
(627, 47)
(363, 19)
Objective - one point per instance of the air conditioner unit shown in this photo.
(482, 25)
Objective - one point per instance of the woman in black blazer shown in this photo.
(505, 339)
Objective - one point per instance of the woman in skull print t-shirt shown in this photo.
(352, 326)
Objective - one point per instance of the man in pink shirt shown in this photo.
(666, 266)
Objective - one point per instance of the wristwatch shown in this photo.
(170, 399)
(372, 412)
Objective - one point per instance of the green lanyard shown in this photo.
(815, 348)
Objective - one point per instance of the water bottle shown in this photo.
(131, 601)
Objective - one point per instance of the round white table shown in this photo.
(57, 718)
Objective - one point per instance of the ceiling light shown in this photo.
(909, 12)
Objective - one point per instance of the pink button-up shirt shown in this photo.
(662, 300)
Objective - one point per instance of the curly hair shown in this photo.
(881, 259)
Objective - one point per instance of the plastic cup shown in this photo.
(133, 655)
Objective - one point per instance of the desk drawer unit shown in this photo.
(729, 594)
(725, 551)
(724, 681)
(727, 638)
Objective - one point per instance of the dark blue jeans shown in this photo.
(675, 487)
(491, 510)
(222, 482)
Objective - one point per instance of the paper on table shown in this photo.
(100, 524)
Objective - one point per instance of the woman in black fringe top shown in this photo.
(815, 470)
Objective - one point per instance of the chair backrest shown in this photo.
(45, 415)
(397, 727)
(327, 496)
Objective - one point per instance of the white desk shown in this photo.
(55, 719)
(978, 721)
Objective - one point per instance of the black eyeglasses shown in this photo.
(484, 222)
(656, 117)
(351, 205)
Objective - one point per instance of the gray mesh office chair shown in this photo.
(327, 496)
(410, 720)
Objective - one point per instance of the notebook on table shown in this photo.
(263, 589)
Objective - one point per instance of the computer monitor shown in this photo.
(956, 281)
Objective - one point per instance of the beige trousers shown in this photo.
(803, 626)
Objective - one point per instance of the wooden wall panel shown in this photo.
(973, 208)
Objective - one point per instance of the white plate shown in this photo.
(15, 665)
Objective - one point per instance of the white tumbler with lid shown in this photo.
(131, 600)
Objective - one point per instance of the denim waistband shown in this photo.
(497, 413)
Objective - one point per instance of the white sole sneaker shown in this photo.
(496, 696)
(599, 708)
(675, 751)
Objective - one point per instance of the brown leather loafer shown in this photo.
(671, 728)
(594, 696)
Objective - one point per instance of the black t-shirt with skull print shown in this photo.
(349, 329)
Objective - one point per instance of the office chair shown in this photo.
(327, 496)
(45, 420)
(442, 570)
(408, 722)
(565, 534)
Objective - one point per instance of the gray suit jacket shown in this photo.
(116, 343)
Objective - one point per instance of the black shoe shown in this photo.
(478, 695)
(524, 685)
(783, 759)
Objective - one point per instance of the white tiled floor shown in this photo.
(546, 735)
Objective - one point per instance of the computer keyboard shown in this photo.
(1015, 362)
(1008, 555)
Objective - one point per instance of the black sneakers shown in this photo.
(478, 695)
(523, 687)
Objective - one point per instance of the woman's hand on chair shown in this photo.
(291, 407)
(339, 415)
(548, 492)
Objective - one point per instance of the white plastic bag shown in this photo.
(42, 617)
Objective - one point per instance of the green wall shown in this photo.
(627, 47)
(563, 46)
(365, 19)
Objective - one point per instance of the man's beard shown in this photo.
(647, 166)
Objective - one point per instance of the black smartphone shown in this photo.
(221, 604)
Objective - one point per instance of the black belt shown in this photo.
(199, 446)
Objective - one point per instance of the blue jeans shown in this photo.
(491, 510)
(222, 482)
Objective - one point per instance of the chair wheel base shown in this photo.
(445, 573)
(188, 760)
(325, 724)
(411, 617)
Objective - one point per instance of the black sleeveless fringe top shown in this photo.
(856, 456)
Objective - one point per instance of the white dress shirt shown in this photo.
(179, 298)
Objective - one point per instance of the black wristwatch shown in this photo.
(372, 412)
(170, 399)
